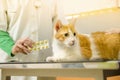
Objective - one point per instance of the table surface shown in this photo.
(62, 65)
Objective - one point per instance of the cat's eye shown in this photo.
(74, 34)
(66, 34)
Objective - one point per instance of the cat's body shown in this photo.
(68, 45)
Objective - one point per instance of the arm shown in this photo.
(6, 42)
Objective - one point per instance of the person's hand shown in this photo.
(113, 30)
(22, 45)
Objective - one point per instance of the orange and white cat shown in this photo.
(68, 45)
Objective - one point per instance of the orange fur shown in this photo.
(85, 46)
(107, 44)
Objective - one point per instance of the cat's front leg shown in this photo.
(96, 58)
(54, 59)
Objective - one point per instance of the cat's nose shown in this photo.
(72, 43)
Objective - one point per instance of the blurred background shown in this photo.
(95, 15)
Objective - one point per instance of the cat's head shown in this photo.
(65, 34)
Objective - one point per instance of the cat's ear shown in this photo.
(58, 25)
(73, 21)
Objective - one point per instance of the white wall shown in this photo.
(99, 22)
(92, 23)
(77, 6)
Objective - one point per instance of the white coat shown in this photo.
(30, 18)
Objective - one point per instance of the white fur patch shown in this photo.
(95, 55)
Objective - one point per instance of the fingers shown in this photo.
(22, 46)
(16, 49)
(28, 43)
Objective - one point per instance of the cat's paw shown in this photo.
(53, 59)
(49, 59)
(96, 59)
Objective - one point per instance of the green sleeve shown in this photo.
(6, 42)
